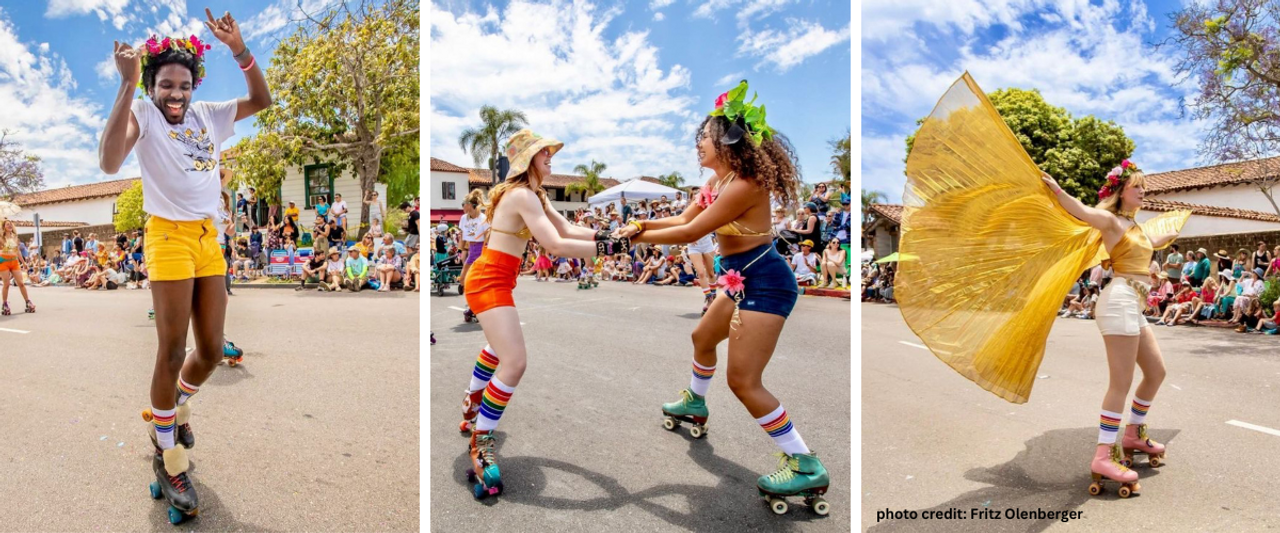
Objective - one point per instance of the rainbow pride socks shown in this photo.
(778, 425)
(185, 390)
(1138, 412)
(163, 421)
(496, 396)
(1108, 427)
(486, 365)
(701, 378)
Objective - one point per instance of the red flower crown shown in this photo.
(1117, 178)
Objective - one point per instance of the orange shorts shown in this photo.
(9, 263)
(490, 281)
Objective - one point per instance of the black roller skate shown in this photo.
(469, 316)
(31, 308)
(173, 484)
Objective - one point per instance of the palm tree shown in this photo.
(485, 143)
(673, 180)
(840, 158)
(868, 198)
(591, 185)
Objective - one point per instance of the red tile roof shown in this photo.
(76, 192)
(445, 166)
(890, 211)
(1209, 210)
(1212, 176)
(481, 177)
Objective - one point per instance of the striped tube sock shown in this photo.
(1107, 428)
(496, 396)
(778, 425)
(163, 420)
(185, 390)
(1138, 412)
(701, 378)
(486, 364)
(706, 291)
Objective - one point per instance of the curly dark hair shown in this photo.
(773, 165)
(169, 56)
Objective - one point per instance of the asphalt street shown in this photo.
(317, 430)
(581, 443)
(933, 441)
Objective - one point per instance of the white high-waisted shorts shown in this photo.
(1119, 309)
(703, 246)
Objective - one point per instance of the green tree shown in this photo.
(591, 185)
(1078, 152)
(401, 171)
(841, 153)
(868, 198)
(345, 85)
(19, 170)
(673, 180)
(1230, 48)
(129, 214)
(485, 142)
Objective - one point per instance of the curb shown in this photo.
(831, 293)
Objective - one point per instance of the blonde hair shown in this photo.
(475, 197)
(1112, 203)
(522, 179)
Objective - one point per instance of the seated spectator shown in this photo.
(653, 266)
(333, 279)
(320, 237)
(357, 271)
(1250, 316)
(1250, 288)
(564, 272)
(242, 263)
(313, 271)
(1205, 304)
(1160, 296)
(387, 240)
(389, 269)
(833, 259)
(1183, 303)
(805, 264)
(413, 272)
(1082, 305)
(366, 246)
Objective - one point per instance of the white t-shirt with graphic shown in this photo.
(473, 228)
(180, 161)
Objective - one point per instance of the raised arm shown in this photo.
(121, 132)
(565, 228)
(228, 31)
(1098, 218)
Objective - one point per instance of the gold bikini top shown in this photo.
(1132, 255)
(734, 228)
(524, 233)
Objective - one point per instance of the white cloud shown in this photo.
(281, 15)
(655, 5)
(106, 69)
(708, 8)
(37, 92)
(882, 163)
(608, 100)
(730, 79)
(104, 9)
(786, 49)
(885, 20)
(759, 9)
(659, 17)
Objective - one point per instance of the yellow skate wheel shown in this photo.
(1154, 460)
(146, 415)
(1095, 489)
(1125, 492)
(670, 423)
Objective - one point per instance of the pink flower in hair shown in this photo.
(721, 99)
(1125, 164)
(731, 281)
(1113, 180)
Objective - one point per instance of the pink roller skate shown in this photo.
(1136, 441)
(470, 409)
(1106, 464)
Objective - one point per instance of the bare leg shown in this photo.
(209, 312)
(712, 330)
(172, 302)
(1122, 353)
(1151, 362)
(750, 348)
(502, 331)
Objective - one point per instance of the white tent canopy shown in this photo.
(635, 190)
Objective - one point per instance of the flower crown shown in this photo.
(155, 46)
(732, 106)
(1117, 178)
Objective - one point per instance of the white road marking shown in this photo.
(15, 331)
(1175, 386)
(1262, 429)
(913, 345)
(456, 308)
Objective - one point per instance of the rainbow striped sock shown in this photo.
(1107, 428)
(778, 425)
(701, 378)
(1138, 413)
(163, 420)
(706, 291)
(496, 396)
(486, 365)
(185, 390)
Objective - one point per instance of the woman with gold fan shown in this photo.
(973, 195)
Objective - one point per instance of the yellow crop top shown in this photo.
(1132, 255)
(524, 233)
(734, 228)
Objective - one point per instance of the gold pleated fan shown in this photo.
(995, 252)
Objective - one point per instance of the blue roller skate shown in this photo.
(484, 466)
(800, 474)
(231, 354)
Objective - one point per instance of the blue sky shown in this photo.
(1092, 58)
(627, 83)
(57, 80)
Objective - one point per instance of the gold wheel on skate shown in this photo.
(1095, 489)
(1125, 491)
(146, 415)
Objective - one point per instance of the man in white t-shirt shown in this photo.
(179, 144)
(339, 210)
(805, 263)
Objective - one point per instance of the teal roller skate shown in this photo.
(151, 314)
(231, 354)
(690, 408)
(800, 474)
(484, 466)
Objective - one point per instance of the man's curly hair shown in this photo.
(773, 165)
(169, 56)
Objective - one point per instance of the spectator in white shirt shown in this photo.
(339, 210)
(805, 263)
(1250, 287)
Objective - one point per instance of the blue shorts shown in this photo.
(769, 284)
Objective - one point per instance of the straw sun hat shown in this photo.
(524, 145)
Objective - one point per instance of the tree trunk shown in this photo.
(368, 173)
(1266, 188)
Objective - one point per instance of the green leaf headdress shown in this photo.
(732, 105)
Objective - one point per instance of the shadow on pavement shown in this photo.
(733, 504)
(1051, 474)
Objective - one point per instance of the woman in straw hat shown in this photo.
(751, 163)
(518, 210)
(11, 264)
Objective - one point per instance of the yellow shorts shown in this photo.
(182, 250)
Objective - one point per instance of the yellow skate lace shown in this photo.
(1116, 456)
(787, 467)
(1142, 435)
(685, 396)
(484, 445)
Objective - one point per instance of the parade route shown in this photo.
(317, 429)
(582, 443)
(933, 440)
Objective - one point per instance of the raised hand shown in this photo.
(128, 62)
(226, 30)
(1048, 180)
